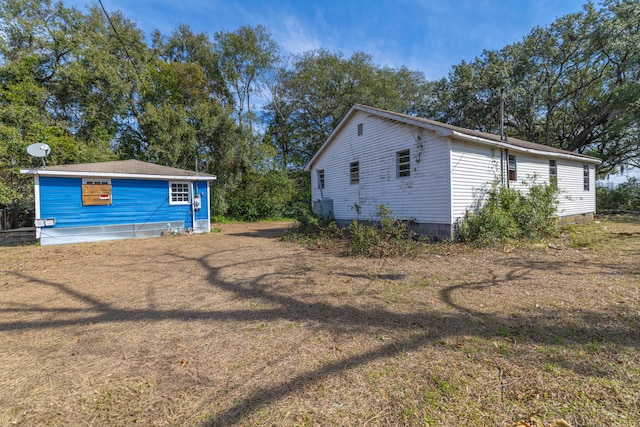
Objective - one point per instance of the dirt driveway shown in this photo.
(241, 328)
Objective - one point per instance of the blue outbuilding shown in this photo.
(118, 200)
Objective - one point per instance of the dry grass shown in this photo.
(240, 328)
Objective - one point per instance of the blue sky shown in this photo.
(423, 35)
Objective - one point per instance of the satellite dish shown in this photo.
(39, 150)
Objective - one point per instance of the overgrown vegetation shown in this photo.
(510, 214)
(502, 214)
(624, 196)
(381, 236)
(385, 236)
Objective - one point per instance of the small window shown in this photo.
(96, 191)
(553, 173)
(513, 175)
(585, 177)
(321, 178)
(96, 181)
(354, 172)
(360, 131)
(179, 193)
(403, 163)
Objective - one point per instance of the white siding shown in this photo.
(448, 176)
(423, 196)
(573, 198)
(474, 168)
(530, 170)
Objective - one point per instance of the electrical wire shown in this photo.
(124, 46)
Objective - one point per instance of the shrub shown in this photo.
(261, 195)
(624, 196)
(509, 214)
(386, 237)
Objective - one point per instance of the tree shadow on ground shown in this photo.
(425, 327)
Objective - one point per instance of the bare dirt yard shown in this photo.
(240, 327)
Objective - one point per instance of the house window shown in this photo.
(96, 191)
(354, 172)
(553, 173)
(585, 177)
(513, 176)
(403, 164)
(179, 193)
(360, 131)
(320, 178)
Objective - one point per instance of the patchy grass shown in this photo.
(241, 328)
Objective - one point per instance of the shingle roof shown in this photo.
(490, 136)
(121, 167)
(432, 124)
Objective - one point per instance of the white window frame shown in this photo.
(586, 177)
(354, 172)
(403, 163)
(179, 196)
(553, 172)
(512, 166)
(321, 179)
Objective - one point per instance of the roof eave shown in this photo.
(510, 147)
(45, 172)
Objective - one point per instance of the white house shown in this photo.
(431, 173)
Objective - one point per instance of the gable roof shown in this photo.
(455, 132)
(119, 169)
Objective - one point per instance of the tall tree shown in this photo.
(246, 56)
(310, 97)
(572, 85)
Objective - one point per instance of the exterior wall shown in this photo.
(474, 168)
(140, 208)
(201, 217)
(573, 198)
(449, 175)
(423, 197)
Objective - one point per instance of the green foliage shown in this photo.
(624, 196)
(571, 85)
(506, 213)
(261, 195)
(312, 95)
(385, 237)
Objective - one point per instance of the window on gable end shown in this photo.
(321, 178)
(403, 163)
(360, 130)
(354, 172)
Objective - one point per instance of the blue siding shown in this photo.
(201, 188)
(133, 202)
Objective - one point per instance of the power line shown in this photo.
(124, 46)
